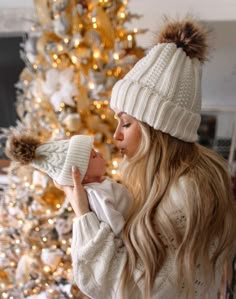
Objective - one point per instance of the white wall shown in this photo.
(219, 75)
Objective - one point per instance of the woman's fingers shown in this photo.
(79, 200)
(76, 178)
(76, 195)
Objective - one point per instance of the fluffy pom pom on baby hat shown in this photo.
(164, 88)
(55, 158)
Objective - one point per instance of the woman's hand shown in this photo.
(76, 195)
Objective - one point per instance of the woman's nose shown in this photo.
(118, 135)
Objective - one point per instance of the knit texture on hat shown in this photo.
(56, 158)
(163, 90)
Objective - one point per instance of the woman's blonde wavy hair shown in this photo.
(156, 170)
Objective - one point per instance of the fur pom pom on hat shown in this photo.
(55, 158)
(164, 88)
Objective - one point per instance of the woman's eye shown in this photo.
(126, 125)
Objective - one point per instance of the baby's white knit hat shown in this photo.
(164, 88)
(55, 158)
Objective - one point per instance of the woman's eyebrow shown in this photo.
(120, 114)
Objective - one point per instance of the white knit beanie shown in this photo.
(55, 158)
(164, 88)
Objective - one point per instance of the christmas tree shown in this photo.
(74, 53)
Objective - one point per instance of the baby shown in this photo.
(108, 199)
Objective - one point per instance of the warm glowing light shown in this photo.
(91, 85)
(35, 66)
(95, 25)
(113, 171)
(135, 30)
(95, 67)
(96, 54)
(20, 221)
(66, 40)
(48, 212)
(17, 251)
(74, 59)
(12, 264)
(44, 239)
(17, 241)
(116, 56)
(50, 221)
(103, 116)
(54, 64)
(63, 242)
(26, 82)
(94, 19)
(3, 254)
(55, 56)
(4, 295)
(56, 16)
(122, 15)
(60, 48)
(115, 163)
(76, 42)
(129, 37)
(36, 229)
(58, 206)
(68, 251)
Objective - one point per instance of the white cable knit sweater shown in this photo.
(99, 257)
(98, 260)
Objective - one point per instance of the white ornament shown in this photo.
(60, 87)
(51, 257)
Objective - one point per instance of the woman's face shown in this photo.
(127, 135)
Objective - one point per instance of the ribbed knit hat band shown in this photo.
(56, 158)
(163, 90)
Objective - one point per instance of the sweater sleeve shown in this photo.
(98, 257)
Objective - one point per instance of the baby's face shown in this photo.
(97, 165)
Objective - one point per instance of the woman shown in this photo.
(182, 223)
